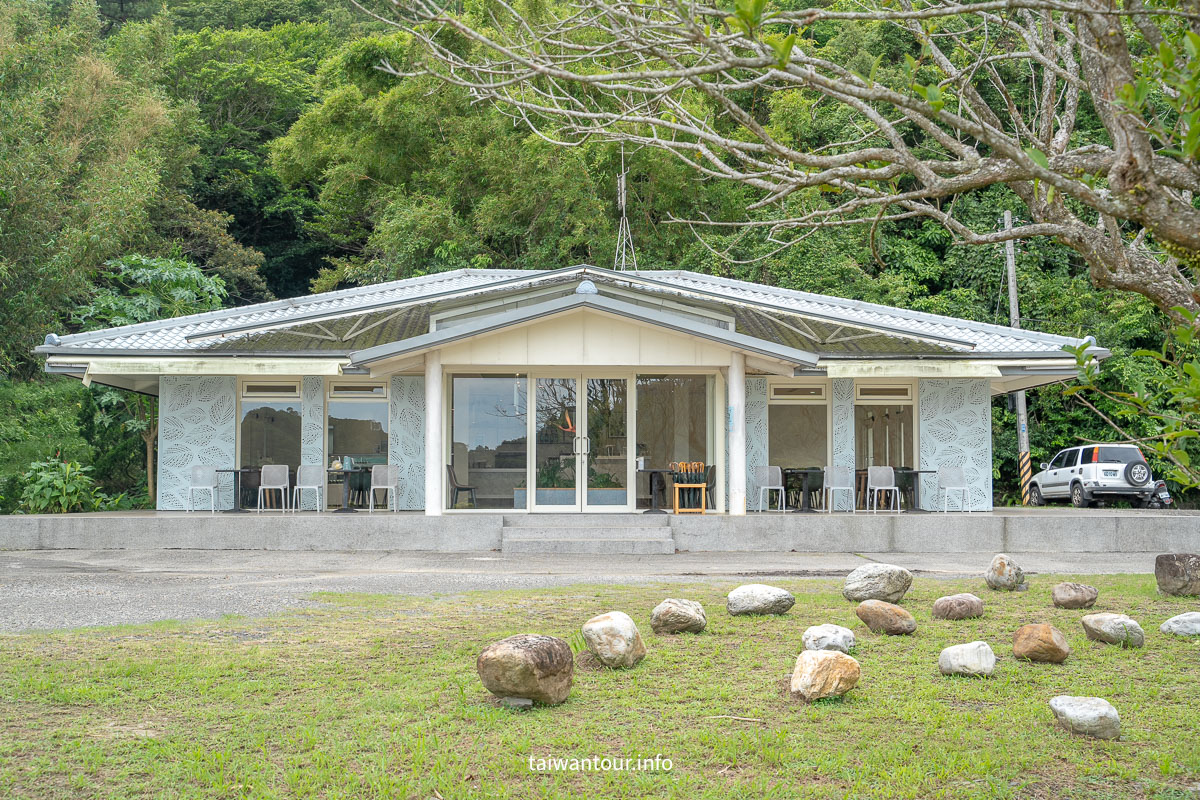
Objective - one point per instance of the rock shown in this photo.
(1187, 624)
(1004, 574)
(829, 637)
(519, 703)
(1113, 629)
(678, 616)
(1074, 595)
(877, 582)
(1041, 642)
(957, 606)
(539, 668)
(757, 598)
(975, 659)
(614, 640)
(886, 618)
(1178, 574)
(823, 673)
(1087, 716)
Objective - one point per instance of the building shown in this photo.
(566, 381)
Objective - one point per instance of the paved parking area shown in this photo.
(49, 589)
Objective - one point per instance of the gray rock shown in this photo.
(1087, 716)
(1113, 629)
(1178, 574)
(1187, 624)
(958, 606)
(538, 668)
(1004, 574)
(678, 616)
(758, 598)
(877, 582)
(975, 659)
(519, 703)
(829, 637)
(614, 640)
(1074, 595)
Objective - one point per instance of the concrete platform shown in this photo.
(1042, 530)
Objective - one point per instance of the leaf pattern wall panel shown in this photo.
(312, 431)
(196, 427)
(406, 438)
(756, 435)
(843, 433)
(956, 430)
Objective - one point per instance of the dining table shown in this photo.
(656, 477)
(805, 474)
(916, 473)
(346, 473)
(237, 490)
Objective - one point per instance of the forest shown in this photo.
(163, 157)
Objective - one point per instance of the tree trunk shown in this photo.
(150, 467)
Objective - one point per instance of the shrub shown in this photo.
(60, 487)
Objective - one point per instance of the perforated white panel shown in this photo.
(312, 431)
(406, 438)
(196, 427)
(843, 432)
(956, 430)
(756, 435)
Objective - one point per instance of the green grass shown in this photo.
(377, 697)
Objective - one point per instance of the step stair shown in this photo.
(614, 534)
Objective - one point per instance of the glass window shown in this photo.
(672, 423)
(1111, 455)
(488, 438)
(883, 436)
(797, 435)
(269, 433)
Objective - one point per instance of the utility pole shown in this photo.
(624, 257)
(1014, 315)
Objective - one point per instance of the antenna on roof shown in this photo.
(624, 257)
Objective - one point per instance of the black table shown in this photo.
(805, 505)
(655, 473)
(237, 490)
(916, 473)
(346, 473)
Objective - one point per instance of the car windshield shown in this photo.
(1111, 455)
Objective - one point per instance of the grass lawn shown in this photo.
(377, 697)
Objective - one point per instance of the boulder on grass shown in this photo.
(757, 598)
(538, 668)
(1041, 642)
(958, 606)
(829, 637)
(823, 673)
(884, 582)
(975, 659)
(1074, 595)
(678, 616)
(887, 618)
(1113, 629)
(614, 640)
(1087, 716)
(1178, 574)
(1004, 574)
(1187, 624)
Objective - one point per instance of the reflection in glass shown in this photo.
(488, 438)
(357, 431)
(270, 434)
(607, 441)
(798, 435)
(556, 438)
(883, 436)
(672, 423)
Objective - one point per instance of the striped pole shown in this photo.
(1026, 476)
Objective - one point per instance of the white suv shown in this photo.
(1092, 471)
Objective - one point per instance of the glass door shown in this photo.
(606, 445)
(557, 445)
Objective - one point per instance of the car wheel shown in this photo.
(1137, 473)
(1035, 496)
(1078, 498)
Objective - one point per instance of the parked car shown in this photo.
(1095, 471)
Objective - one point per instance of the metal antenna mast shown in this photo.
(624, 258)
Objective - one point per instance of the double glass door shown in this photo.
(581, 455)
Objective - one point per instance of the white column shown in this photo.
(737, 434)
(435, 469)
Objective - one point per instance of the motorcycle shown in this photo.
(1161, 498)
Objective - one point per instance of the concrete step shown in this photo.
(635, 546)
(596, 532)
(516, 521)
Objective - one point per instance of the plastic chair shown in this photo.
(309, 476)
(837, 479)
(204, 478)
(387, 478)
(274, 477)
(882, 480)
(457, 488)
(710, 484)
(770, 479)
(953, 479)
(816, 483)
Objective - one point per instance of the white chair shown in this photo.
(204, 478)
(882, 479)
(953, 479)
(274, 477)
(309, 476)
(770, 479)
(386, 477)
(837, 479)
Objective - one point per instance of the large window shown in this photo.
(356, 416)
(672, 423)
(268, 432)
(798, 435)
(488, 438)
(883, 436)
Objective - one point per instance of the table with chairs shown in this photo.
(278, 483)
